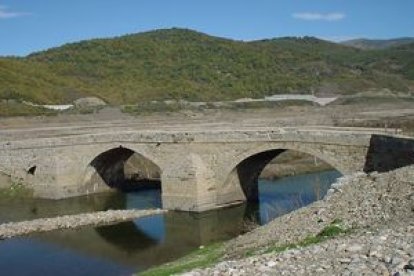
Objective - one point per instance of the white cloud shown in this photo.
(6, 14)
(313, 16)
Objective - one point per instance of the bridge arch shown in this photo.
(242, 173)
(121, 168)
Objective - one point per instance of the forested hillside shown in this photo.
(184, 64)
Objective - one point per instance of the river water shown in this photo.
(133, 246)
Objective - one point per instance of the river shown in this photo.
(133, 246)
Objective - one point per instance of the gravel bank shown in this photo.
(12, 229)
(378, 208)
(386, 252)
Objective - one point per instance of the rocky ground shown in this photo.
(363, 113)
(12, 229)
(386, 252)
(376, 213)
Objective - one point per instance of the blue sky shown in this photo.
(32, 25)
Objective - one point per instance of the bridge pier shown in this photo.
(188, 185)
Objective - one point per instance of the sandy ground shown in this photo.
(391, 115)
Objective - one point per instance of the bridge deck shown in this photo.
(338, 135)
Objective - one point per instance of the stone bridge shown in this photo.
(198, 170)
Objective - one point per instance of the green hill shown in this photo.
(184, 64)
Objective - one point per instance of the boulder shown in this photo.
(88, 102)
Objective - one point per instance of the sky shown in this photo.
(28, 26)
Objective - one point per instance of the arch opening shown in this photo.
(32, 170)
(278, 181)
(125, 170)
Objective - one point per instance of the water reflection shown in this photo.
(290, 193)
(136, 244)
(143, 242)
(127, 236)
(27, 256)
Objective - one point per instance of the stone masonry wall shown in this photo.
(195, 166)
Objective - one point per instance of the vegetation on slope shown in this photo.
(22, 79)
(184, 64)
(13, 108)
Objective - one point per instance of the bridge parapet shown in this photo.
(331, 135)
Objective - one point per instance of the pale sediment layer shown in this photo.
(12, 229)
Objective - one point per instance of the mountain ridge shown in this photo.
(364, 43)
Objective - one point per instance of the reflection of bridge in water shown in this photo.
(199, 170)
(131, 243)
(160, 238)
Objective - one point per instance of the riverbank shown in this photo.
(13, 229)
(375, 215)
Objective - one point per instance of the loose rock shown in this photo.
(12, 229)
(377, 208)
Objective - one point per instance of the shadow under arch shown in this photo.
(124, 169)
(246, 172)
(126, 236)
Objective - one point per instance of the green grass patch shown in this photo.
(15, 108)
(199, 259)
(152, 107)
(212, 254)
(372, 100)
(268, 104)
(175, 106)
(330, 231)
(16, 190)
(334, 229)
